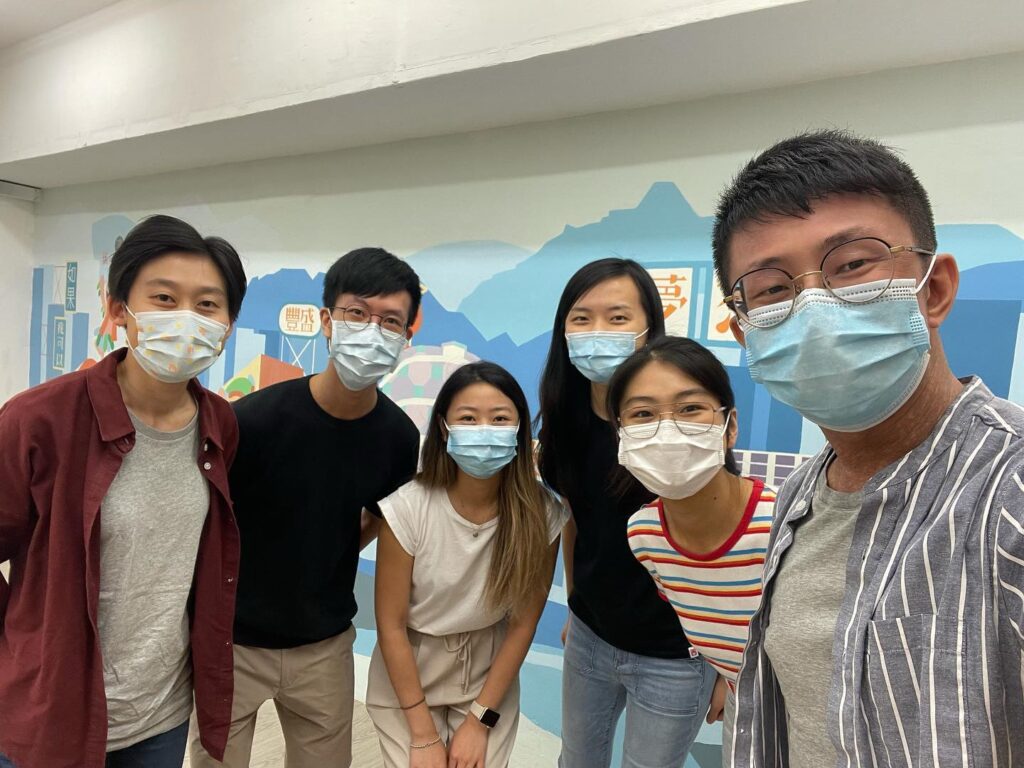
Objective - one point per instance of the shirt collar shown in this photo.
(112, 414)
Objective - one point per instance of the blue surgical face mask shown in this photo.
(482, 451)
(363, 356)
(844, 366)
(596, 354)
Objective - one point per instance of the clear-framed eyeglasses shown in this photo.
(690, 418)
(866, 261)
(357, 318)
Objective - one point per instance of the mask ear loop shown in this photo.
(927, 274)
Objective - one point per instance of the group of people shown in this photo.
(174, 558)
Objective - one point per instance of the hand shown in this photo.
(565, 632)
(431, 757)
(469, 745)
(717, 709)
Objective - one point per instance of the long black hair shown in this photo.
(690, 358)
(565, 405)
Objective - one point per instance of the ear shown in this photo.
(325, 323)
(939, 293)
(227, 335)
(117, 312)
(733, 431)
(737, 331)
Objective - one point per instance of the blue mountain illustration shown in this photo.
(267, 294)
(523, 361)
(452, 271)
(662, 229)
(993, 281)
(977, 244)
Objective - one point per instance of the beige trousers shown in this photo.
(313, 689)
(452, 672)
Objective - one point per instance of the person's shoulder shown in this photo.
(390, 410)
(412, 495)
(645, 523)
(1004, 416)
(767, 497)
(267, 404)
(48, 401)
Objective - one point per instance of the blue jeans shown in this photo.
(665, 700)
(165, 750)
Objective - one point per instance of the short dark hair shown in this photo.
(565, 404)
(786, 179)
(370, 272)
(160, 235)
(690, 358)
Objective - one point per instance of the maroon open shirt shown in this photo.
(61, 444)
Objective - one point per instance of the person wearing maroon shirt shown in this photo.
(116, 518)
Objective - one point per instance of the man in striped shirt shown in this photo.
(891, 631)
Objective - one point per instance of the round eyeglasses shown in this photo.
(357, 318)
(643, 421)
(765, 297)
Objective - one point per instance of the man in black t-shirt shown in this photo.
(315, 456)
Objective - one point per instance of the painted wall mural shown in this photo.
(495, 300)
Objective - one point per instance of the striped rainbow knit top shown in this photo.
(715, 594)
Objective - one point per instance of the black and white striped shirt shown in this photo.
(928, 650)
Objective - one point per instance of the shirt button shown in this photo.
(800, 505)
(230, 579)
(206, 446)
(228, 643)
(207, 466)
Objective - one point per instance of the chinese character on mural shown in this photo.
(299, 320)
(676, 287)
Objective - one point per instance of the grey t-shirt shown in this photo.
(151, 521)
(805, 603)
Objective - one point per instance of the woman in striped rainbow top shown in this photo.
(704, 538)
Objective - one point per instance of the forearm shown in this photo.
(405, 679)
(505, 667)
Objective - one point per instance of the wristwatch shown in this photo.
(487, 717)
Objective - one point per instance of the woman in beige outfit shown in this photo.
(464, 564)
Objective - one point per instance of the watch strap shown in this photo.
(487, 717)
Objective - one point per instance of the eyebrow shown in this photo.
(162, 282)
(844, 236)
(678, 398)
(615, 308)
(830, 242)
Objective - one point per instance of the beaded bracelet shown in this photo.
(428, 744)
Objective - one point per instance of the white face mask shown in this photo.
(176, 346)
(363, 356)
(675, 463)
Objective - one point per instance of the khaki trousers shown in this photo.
(313, 689)
(452, 672)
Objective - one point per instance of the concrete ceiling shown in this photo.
(769, 48)
(22, 19)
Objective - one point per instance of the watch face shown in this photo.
(490, 718)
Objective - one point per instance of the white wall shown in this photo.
(16, 229)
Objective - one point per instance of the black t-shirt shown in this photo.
(299, 483)
(612, 593)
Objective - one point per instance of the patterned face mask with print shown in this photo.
(173, 347)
